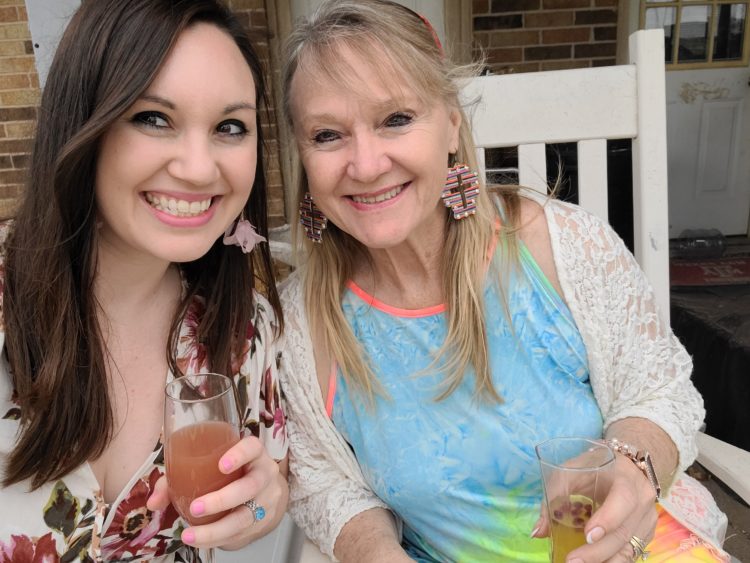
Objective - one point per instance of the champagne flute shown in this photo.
(201, 422)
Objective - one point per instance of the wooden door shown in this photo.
(708, 112)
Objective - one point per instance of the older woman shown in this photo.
(436, 334)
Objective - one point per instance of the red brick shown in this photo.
(482, 39)
(13, 81)
(8, 15)
(546, 53)
(480, 6)
(603, 62)
(17, 114)
(562, 4)
(495, 56)
(569, 35)
(14, 146)
(549, 19)
(592, 50)
(608, 33)
(12, 177)
(564, 65)
(10, 191)
(487, 23)
(20, 160)
(590, 17)
(520, 38)
(506, 6)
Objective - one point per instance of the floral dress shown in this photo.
(68, 520)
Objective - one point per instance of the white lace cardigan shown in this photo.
(637, 366)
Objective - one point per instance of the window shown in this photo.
(699, 33)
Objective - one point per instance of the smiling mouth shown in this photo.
(385, 196)
(178, 207)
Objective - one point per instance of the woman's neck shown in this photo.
(127, 283)
(408, 276)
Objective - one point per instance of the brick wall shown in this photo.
(19, 96)
(253, 14)
(533, 35)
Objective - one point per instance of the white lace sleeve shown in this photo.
(638, 367)
(327, 488)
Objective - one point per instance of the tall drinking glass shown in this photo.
(201, 422)
(576, 475)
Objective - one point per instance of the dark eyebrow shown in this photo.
(166, 103)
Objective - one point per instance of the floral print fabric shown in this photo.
(69, 521)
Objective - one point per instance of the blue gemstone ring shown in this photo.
(257, 510)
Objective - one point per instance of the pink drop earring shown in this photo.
(461, 191)
(312, 219)
(242, 234)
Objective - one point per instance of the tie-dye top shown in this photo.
(462, 472)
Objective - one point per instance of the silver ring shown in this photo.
(256, 510)
(639, 548)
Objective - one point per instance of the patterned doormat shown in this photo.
(728, 270)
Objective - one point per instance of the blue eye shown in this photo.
(326, 136)
(398, 119)
(152, 119)
(232, 127)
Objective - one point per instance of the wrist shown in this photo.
(641, 459)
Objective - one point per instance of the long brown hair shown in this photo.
(108, 56)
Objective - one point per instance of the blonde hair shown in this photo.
(409, 48)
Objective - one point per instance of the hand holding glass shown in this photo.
(201, 422)
(576, 475)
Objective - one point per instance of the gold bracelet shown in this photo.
(641, 459)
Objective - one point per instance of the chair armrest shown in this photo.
(311, 554)
(726, 462)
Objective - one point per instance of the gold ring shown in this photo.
(639, 548)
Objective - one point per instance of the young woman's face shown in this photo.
(177, 168)
(375, 164)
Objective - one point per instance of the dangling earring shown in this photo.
(244, 235)
(312, 219)
(461, 190)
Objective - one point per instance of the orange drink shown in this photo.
(192, 459)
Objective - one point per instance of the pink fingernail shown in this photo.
(188, 536)
(198, 507)
(534, 532)
(576, 560)
(226, 463)
(595, 535)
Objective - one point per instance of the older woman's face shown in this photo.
(376, 165)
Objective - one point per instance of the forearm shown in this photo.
(370, 537)
(646, 435)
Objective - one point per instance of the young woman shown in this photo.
(431, 348)
(119, 274)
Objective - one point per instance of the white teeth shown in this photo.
(381, 197)
(178, 207)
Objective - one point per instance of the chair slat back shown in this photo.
(588, 107)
